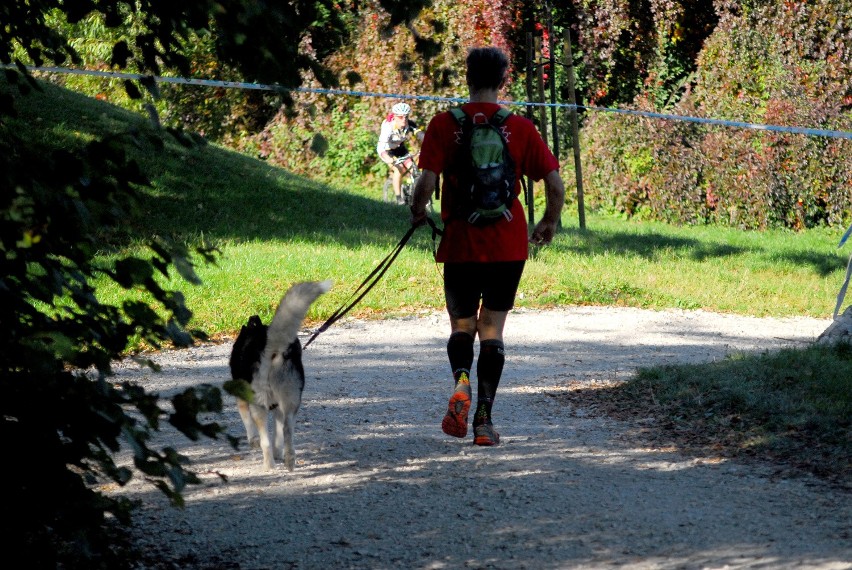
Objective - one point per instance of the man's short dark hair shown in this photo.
(486, 68)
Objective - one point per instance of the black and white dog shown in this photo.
(270, 359)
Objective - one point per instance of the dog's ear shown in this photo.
(254, 323)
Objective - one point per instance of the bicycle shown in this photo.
(409, 179)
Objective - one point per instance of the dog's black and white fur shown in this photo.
(270, 359)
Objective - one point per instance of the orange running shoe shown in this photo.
(455, 421)
(485, 434)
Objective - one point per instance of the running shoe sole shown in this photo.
(455, 421)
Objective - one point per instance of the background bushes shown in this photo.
(334, 138)
(766, 62)
(756, 61)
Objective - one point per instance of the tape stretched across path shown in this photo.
(278, 88)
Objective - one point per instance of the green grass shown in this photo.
(653, 265)
(791, 404)
(274, 228)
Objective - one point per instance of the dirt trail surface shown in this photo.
(378, 485)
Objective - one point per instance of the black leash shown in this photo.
(371, 280)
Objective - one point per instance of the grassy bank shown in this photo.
(274, 228)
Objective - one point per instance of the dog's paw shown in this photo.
(290, 462)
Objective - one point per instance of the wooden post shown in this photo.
(529, 64)
(539, 72)
(552, 60)
(554, 128)
(575, 130)
(529, 195)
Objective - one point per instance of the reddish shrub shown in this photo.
(781, 64)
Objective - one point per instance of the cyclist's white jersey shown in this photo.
(390, 138)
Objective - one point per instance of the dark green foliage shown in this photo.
(59, 423)
(235, 40)
(629, 46)
(60, 204)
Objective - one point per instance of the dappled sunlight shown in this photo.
(356, 400)
(565, 484)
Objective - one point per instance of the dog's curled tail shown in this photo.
(291, 311)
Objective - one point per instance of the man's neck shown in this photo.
(484, 96)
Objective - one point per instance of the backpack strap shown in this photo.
(459, 115)
(500, 116)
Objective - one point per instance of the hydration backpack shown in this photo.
(484, 167)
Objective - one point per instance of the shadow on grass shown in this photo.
(228, 196)
(790, 406)
(646, 246)
(200, 189)
(654, 247)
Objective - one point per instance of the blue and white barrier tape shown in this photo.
(263, 87)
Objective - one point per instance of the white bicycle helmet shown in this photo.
(401, 109)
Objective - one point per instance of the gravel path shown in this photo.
(377, 485)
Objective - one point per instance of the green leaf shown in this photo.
(131, 90)
(132, 271)
(120, 54)
(239, 389)
(150, 85)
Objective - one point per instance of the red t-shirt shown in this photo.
(504, 240)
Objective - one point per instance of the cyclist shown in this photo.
(396, 129)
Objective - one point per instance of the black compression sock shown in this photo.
(460, 353)
(489, 369)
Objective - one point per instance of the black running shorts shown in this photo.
(399, 151)
(495, 284)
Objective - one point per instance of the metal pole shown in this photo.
(575, 130)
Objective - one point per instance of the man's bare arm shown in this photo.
(554, 192)
(422, 192)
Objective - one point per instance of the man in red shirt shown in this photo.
(483, 264)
